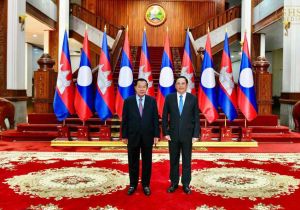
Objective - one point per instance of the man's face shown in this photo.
(141, 88)
(181, 85)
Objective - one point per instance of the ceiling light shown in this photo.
(34, 35)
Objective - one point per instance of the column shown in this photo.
(246, 20)
(46, 42)
(291, 68)
(262, 45)
(16, 78)
(64, 15)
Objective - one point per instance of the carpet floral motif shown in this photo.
(243, 183)
(262, 206)
(205, 207)
(69, 182)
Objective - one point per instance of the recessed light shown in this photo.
(34, 35)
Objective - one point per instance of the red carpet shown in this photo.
(67, 180)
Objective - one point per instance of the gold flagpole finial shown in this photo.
(127, 28)
(208, 29)
(226, 30)
(105, 28)
(86, 27)
(144, 28)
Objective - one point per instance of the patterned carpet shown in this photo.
(69, 180)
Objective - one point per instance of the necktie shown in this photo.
(180, 104)
(141, 106)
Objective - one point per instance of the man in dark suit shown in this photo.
(180, 123)
(140, 129)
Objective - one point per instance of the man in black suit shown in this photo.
(140, 129)
(180, 123)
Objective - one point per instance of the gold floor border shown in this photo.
(60, 143)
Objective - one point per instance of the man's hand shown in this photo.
(155, 140)
(125, 141)
(168, 137)
(194, 140)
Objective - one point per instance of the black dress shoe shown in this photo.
(130, 190)
(147, 191)
(172, 188)
(187, 189)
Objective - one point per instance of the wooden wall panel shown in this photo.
(180, 15)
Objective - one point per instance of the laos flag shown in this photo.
(246, 92)
(84, 102)
(166, 77)
(227, 91)
(187, 69)
(207, 94)
(63, 103)
(145, 68)
(105, 97)
(125, 82)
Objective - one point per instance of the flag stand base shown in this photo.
(206, 134)
(226, 134)
(63, 132)
(83, 133)
(246, 134)
(104, 132)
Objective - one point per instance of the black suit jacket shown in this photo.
(134, 126)
(181, 127)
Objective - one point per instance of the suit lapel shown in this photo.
(176, 102)
(136, 106)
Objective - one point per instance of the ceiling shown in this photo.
(274, 35)
(34, 31)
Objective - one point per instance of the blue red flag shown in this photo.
(105, 97)
(145, 68)
(227, 90)
(187, 69)
(246, 92)
(166, 77)
(207, 94)
(84, 99)
(63, 103)
(125, 82)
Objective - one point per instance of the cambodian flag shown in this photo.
(166, 77)
(84, 102)
(125, 82)
(63, 103)
(145, 68)
(187, 69)
(246, 92)
(207, 94)
(105, 97)
(227, 91)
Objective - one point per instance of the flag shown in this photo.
(105, 97)
(63, 103)
(125, 82)
(187, 69)
(145, 68)
(227, 91)
(207, 94)
(246, 92)
(166, 77)
(84, 102)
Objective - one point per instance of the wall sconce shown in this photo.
(22, 21)
(286, 25)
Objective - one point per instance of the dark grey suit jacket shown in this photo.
(181, 127)
(134, 126)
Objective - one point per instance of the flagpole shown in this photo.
(83, 123)
(245, 123)
(205, 125)
(225, 121)
(64, 122)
